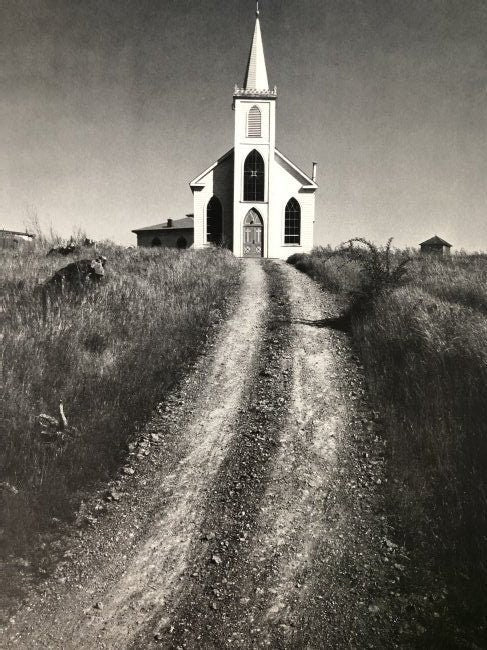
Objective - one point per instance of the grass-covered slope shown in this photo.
(423, 342)
(108, 353)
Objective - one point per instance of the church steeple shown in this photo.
(256, 74)
(254, 151)
(253, 198)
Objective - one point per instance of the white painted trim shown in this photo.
(196, 181)
(310, 184)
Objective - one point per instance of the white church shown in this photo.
(253, 199)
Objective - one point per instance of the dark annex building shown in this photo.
(173, 233)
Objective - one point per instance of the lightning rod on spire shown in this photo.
(257, 8)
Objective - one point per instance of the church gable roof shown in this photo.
(198, 181)
(308, 182)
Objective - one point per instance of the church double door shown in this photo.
(253, 241)
(253, 235)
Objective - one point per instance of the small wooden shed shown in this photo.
(435, 245)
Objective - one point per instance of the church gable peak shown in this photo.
(307, 182)
(200, 180)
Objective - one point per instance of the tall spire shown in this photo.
(256, 74)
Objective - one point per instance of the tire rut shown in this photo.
(289, 551)
(221, 580)
(266, 529)
(335, 587)
(136, 580)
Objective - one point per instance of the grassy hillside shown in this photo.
(423, 344)
(108, 353)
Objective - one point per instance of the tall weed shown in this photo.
(108, 354)
(424, 348)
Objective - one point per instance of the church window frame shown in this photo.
(213, 234)
(254, 122)
(292, 223)
(254, 177)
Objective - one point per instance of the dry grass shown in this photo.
(424, 349)
(109, 354)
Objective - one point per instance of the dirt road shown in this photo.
(253, 517)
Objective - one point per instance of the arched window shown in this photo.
(253, 218)
(214, 221)
(181, 242)
(254, 176)
(254, 123)
(156, 242)
(292, 222)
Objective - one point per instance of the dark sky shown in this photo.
(108, 109)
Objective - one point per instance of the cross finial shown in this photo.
(257, 9)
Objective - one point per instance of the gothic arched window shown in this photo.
(156, 242)
(292, 222)
(254, 176)
(214, 221)
(254, 123)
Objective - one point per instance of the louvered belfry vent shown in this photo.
(254, 123)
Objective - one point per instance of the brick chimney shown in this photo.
(169, 223)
